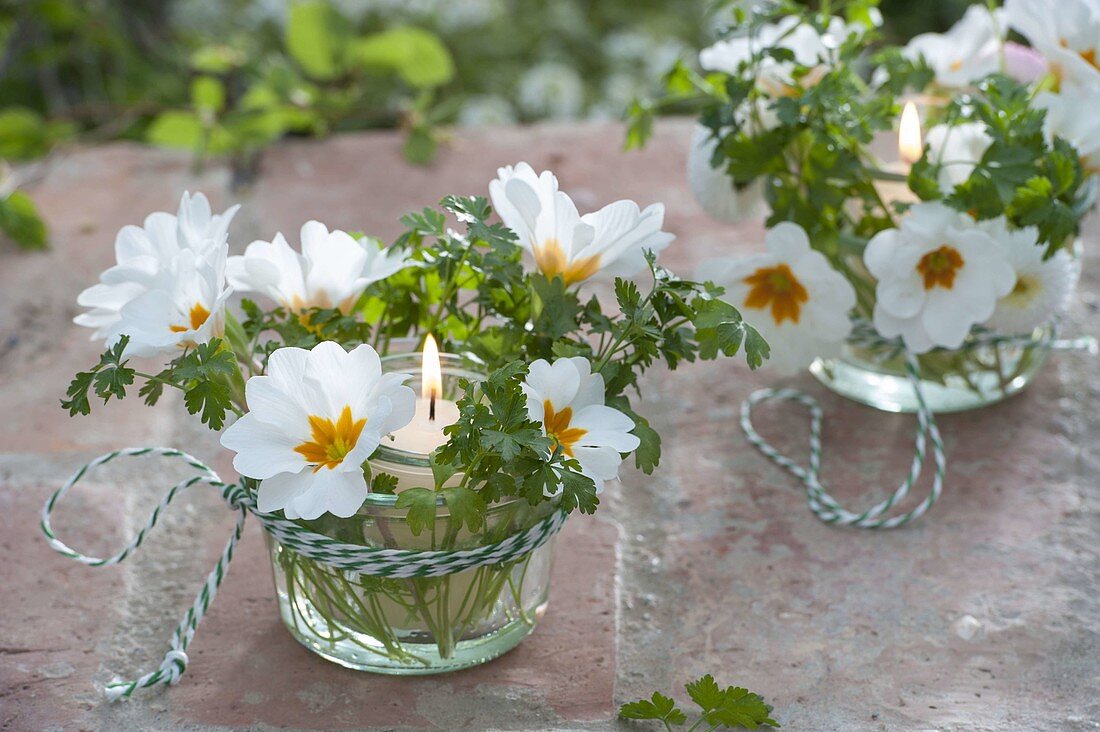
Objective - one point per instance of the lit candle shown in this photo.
(404, 454)
(910, 149)
(433, 412)
(910, 145)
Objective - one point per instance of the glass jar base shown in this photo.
(364, 653)
(890, 391)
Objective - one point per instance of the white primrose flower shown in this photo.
(813, 50)
(312, 421)
(968, 52)
(797, 301)
(198, 225)
(142, 252)
(1043, 287)
(957, 149)
(1066, 32)
(938, 275)
(332, 270)
(562, 242)
(184, 305)
(567, 399)
(1073, 114)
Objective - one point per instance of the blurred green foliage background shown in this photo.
(227, 78)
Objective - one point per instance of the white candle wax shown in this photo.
(425, 434)
(420, 437)
(896, 191)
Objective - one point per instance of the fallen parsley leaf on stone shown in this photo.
(728, 708)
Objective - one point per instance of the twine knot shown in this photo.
(173, 665)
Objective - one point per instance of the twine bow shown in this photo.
(824, 506)
(827, 508)
(320, 548)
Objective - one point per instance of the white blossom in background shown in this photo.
(968, 52)
(816, 51)
(564, 243)
(713, 189)
(183, 306)
(143, 252)
(553, 90)
(627, 47)
(1066, 32)
(567, 399)
(957, 149)
(938, 276)
(332, 270)
(1074, 114)
(791, 295)
(456, 16)
(619, 90)
(486, 110)
(311, 422)
(1043, 287)
(662, 55)
(645, 55)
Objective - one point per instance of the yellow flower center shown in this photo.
(779, 288)
(1027, 287)
(939, 268)
(198, 316)
(332, 441)
(551, 260)
(558, 429)
(956, 64)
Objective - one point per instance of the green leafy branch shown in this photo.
(1021, 175)
(208, 376)
(472, 292)
(728, 708)
(502, 452)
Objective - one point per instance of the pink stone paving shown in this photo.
(984, 615)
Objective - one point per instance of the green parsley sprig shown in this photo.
(728, 708)
(471, 290)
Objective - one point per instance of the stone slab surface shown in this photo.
(984, 615)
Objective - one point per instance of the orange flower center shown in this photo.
(198, 316)
(1089, 55)
(558, 429)
(779, 288)
(551, 260)
(332, 441)
(939, 268)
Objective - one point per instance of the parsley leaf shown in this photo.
(210, 400)
(420, 503)
(108, 378)
(657, 707)
(729, 708)
(465, 507)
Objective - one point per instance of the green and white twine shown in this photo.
(864, 335)
(320, 548)
(824, 506)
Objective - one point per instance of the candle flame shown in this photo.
(431, 375)
(910, 145)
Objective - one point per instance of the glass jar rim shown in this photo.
(453, 365)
